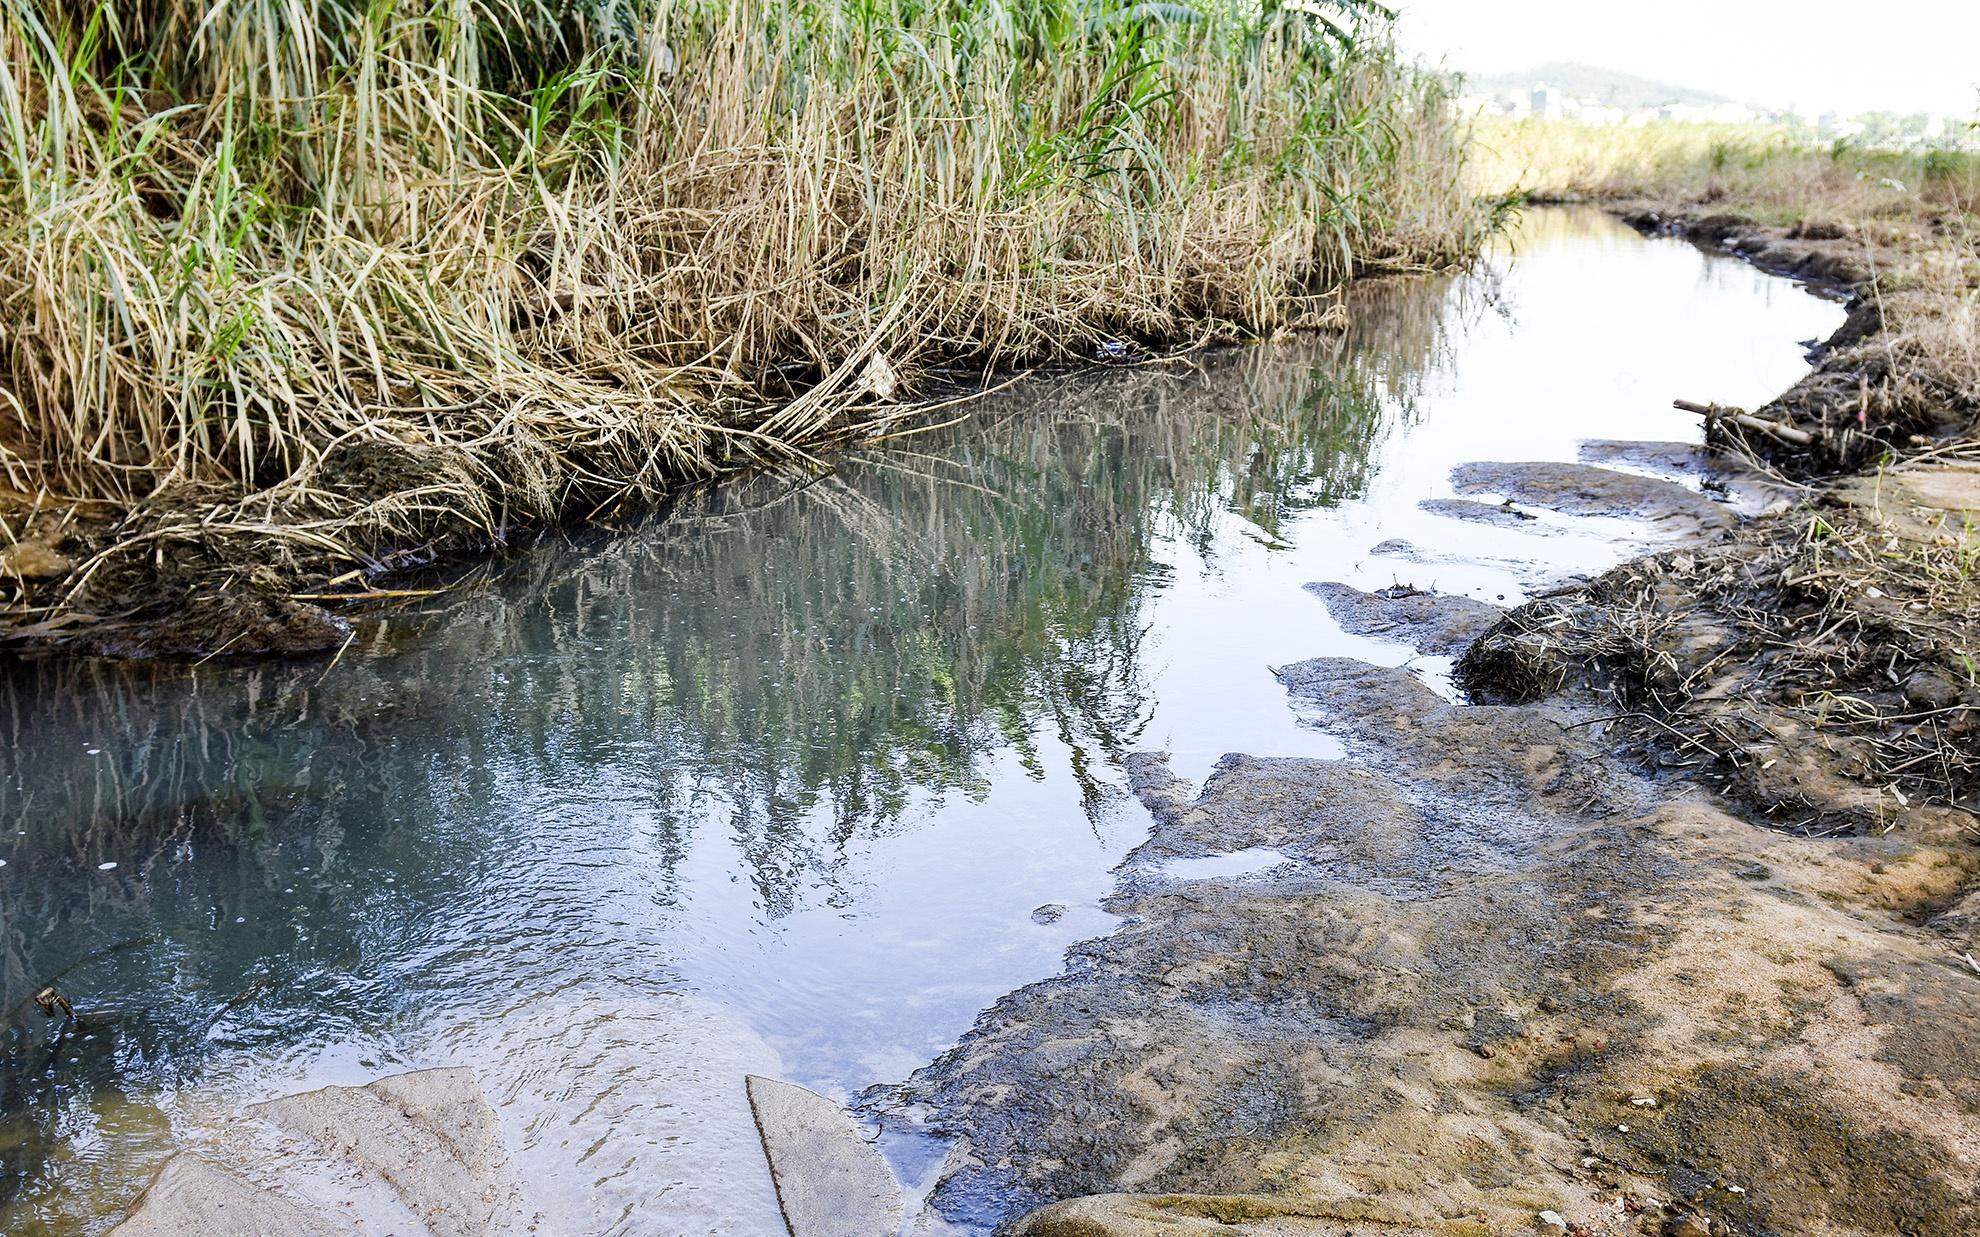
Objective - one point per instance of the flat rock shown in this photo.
(830, 1181)
(1584, 489)
(1495, 936)
(1747, 489)
(1498, 515)
(430, 1135)
(1430, 622)
(1187, 1215)
(1675, 458)
(193, 1197)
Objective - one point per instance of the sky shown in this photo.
(1845, 56)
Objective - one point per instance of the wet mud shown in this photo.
(1559, 959)
(1506, 975)
(1432, 622)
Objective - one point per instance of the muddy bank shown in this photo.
(1669, 930)
(1819, 666)
(1899, 377)
(1817, 669)
(1501, 973)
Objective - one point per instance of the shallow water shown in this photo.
(1236, 865)
(775, 784)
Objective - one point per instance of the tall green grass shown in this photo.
(300, 282)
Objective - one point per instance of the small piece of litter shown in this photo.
(240, 919)
(3, 863)
(1554, 1219)
(1643, 1101)
(1622, 1129)
(1737, 1189)
(105, 867)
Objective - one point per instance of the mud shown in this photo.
(1823, 681)
(231, 622)
(1550, 961)
(1881, 384)
(1497, 946)
(1585, 489)
(1430, 622)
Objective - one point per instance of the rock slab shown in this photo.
(1435, 623)
(193, 1197)
(830, 1182)
(430, 1135)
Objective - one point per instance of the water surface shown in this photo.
(777, 782)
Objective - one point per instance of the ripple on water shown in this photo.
(812, 751)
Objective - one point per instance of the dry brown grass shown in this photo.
(297, 306)
(1759, 173)
(1823, 668)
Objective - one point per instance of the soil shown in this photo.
(1669, 930)
(1433, 622)
(1879, 386)
(1506, 973)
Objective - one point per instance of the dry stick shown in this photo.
(1739, 416)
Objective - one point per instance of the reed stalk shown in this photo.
(293, 287)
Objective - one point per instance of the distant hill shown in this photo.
(1585, 81)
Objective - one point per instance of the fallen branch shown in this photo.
(1740, 417)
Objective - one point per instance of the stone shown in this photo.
(430, 1135)
(35, 559)
(193, 1197)
(1584, 489)
(1676, 458)
(1499, 515)
(1433, 623)
(1214, 1215)
(830, 1181)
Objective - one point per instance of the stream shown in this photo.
(798, 777)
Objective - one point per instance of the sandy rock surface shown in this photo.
(1502, 976)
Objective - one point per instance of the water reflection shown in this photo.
(304, 854)
(806, 750)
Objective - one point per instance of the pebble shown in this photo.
(1554, 1219)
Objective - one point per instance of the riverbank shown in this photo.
(1670, 930)
(1821, 667)
(286, 324)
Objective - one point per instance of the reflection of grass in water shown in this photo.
(308, 283)
(798, 668)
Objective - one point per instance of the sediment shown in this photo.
(1669, 929)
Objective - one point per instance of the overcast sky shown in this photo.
(1820, 55)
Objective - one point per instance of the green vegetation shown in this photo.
(291, 290)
